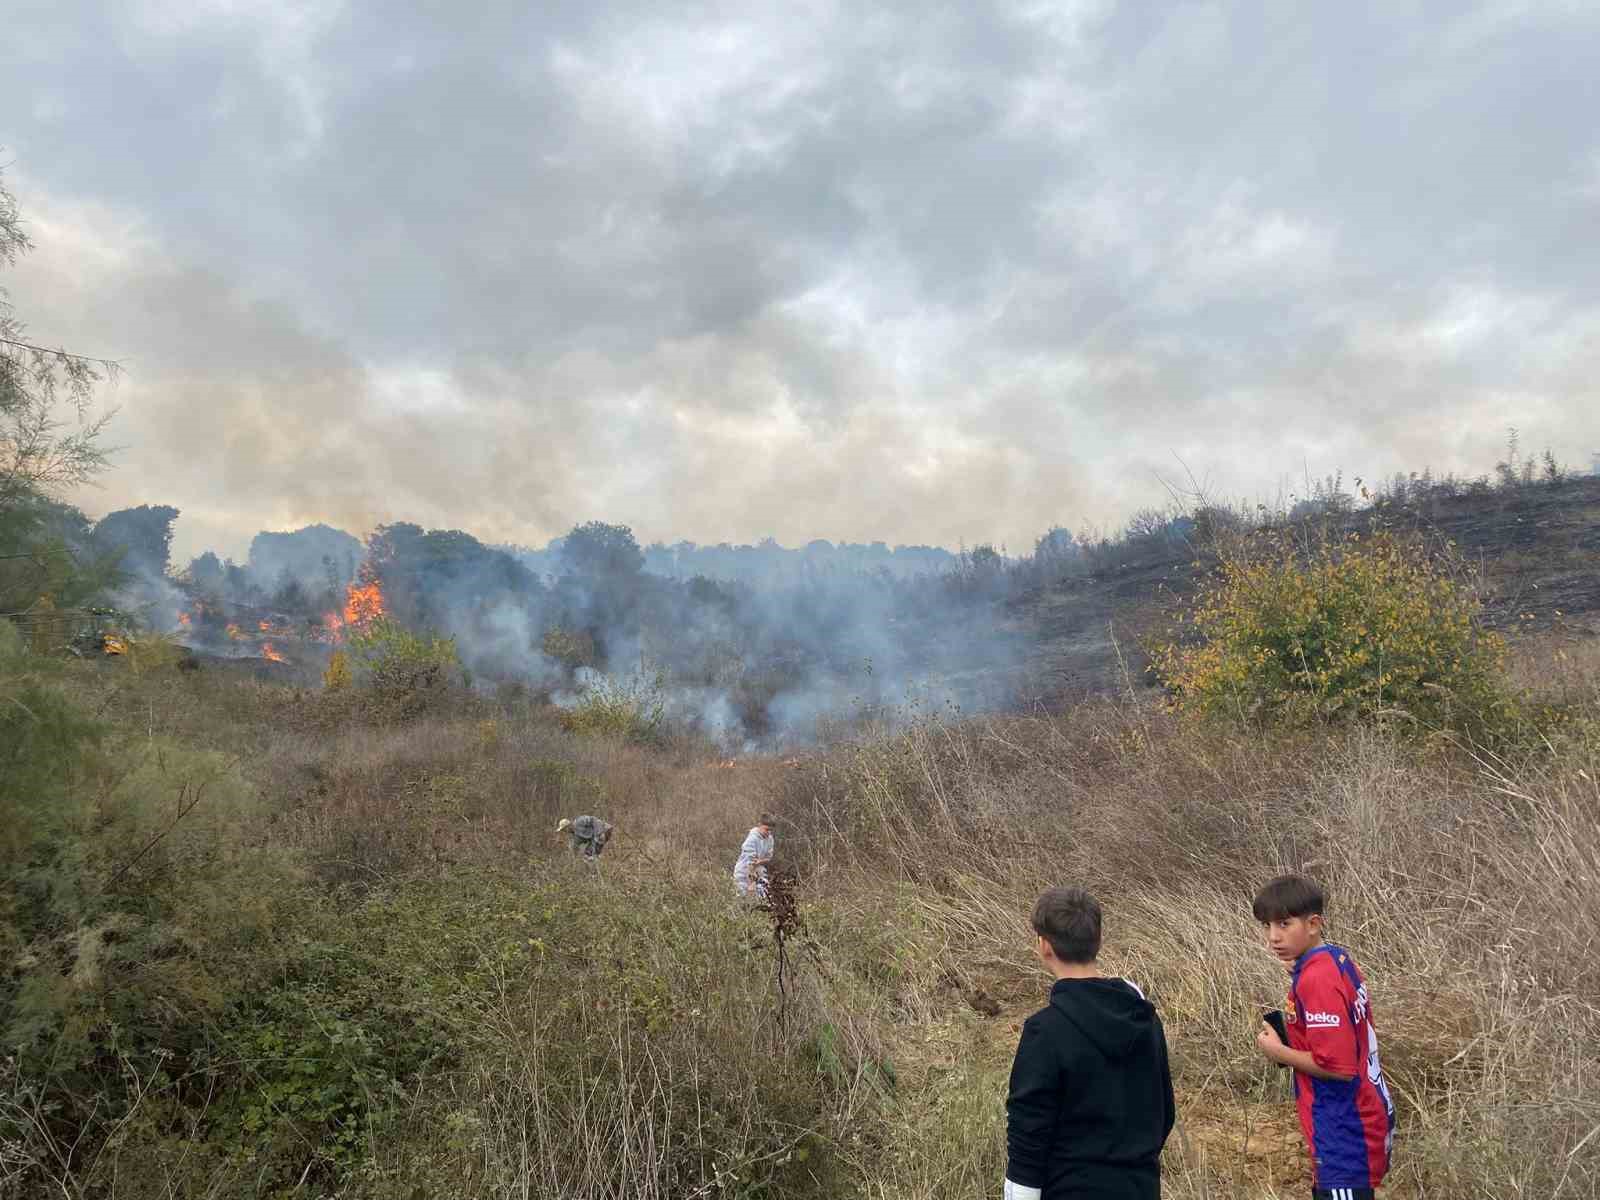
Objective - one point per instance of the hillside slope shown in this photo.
(1534, 552)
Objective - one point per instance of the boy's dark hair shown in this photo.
(1288, 896)
(1069, 919)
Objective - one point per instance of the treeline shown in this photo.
(312, 558)
(764, 561)
(51, 551)
(738, 658)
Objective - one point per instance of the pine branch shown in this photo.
(109, 364)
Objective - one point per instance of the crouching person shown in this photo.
(588, 835)
(1091, 1101)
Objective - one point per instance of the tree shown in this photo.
(1056, 545)
(433, 579)
(39, 454)
(145, 533)
(986, 560)
(320, 557)
(600, 550)
(206, 573)
(291, 595)
(46, 549)
(1146, 524)
(237, 584)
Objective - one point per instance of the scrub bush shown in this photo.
(403, 673)
(630, 709)
(1354, 628)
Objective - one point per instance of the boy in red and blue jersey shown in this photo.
(1345, 1109)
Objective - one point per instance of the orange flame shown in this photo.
(184, 619)
(270, 654)
(265, 626)
(363, 603)
(234, 632)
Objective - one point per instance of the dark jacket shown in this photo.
(1091, 1095)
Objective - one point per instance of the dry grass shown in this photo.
(1562, 663)
(645, 1057)
(1465, 887)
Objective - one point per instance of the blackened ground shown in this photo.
(1535, 550)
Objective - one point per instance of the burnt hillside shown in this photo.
(1534, 549)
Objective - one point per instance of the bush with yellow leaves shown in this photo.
(337, 676)
(1358, 627)
(151, 651)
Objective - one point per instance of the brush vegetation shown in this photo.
(1347, 627)
(265, 941)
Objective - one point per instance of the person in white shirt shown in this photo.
(750, 872)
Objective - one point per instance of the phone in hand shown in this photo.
(1274, 1018)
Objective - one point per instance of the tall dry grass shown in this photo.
(621, 1032)
(1463, 883)
(1465, 886)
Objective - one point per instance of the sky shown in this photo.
(922, 273)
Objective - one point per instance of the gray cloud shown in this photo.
(913, 273)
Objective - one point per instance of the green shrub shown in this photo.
(151, 651)
(130, 898)
(368, 999)
(11, 645)
(571, 648)
(563, 788)
(402, 673)
(1354, 629)
(623, 1042)
(631, 709)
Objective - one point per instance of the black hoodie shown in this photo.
(1091, 1095)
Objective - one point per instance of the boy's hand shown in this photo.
(1267, 1042)
(1301, 1060)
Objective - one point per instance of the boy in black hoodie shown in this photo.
(1091, 1093)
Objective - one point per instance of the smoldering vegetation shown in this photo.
(759, 645)
(750, 646)
(785, 645)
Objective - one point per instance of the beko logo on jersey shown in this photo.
(1322, 1020)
